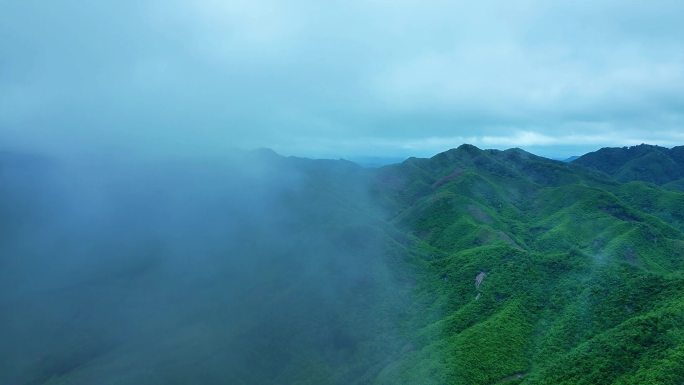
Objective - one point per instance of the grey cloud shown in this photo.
(207, 75)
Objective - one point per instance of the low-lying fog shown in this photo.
(246, 269)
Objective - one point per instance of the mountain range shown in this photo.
(472, 267)
(655, 164)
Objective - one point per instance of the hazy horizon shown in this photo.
(130, 155)
(352, 79)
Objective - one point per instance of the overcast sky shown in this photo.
(340, 79)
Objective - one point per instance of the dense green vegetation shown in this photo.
(471, 267)
(583, 280)
(655, 164)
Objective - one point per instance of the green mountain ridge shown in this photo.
(470, 267)
(648, 163)
(573, 271)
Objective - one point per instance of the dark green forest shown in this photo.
(473, 267)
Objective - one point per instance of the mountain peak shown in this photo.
(468, 148)
(460, 151)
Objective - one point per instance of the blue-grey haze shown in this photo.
(340, 78)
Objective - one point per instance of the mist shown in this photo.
(247, 268)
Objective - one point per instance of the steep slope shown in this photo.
(582, 276)
(647, 163)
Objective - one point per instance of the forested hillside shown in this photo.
(538, 272)
(655, 164)
(471, 267)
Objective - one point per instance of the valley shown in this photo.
(470, 267)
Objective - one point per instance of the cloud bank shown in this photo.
(340, 78)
